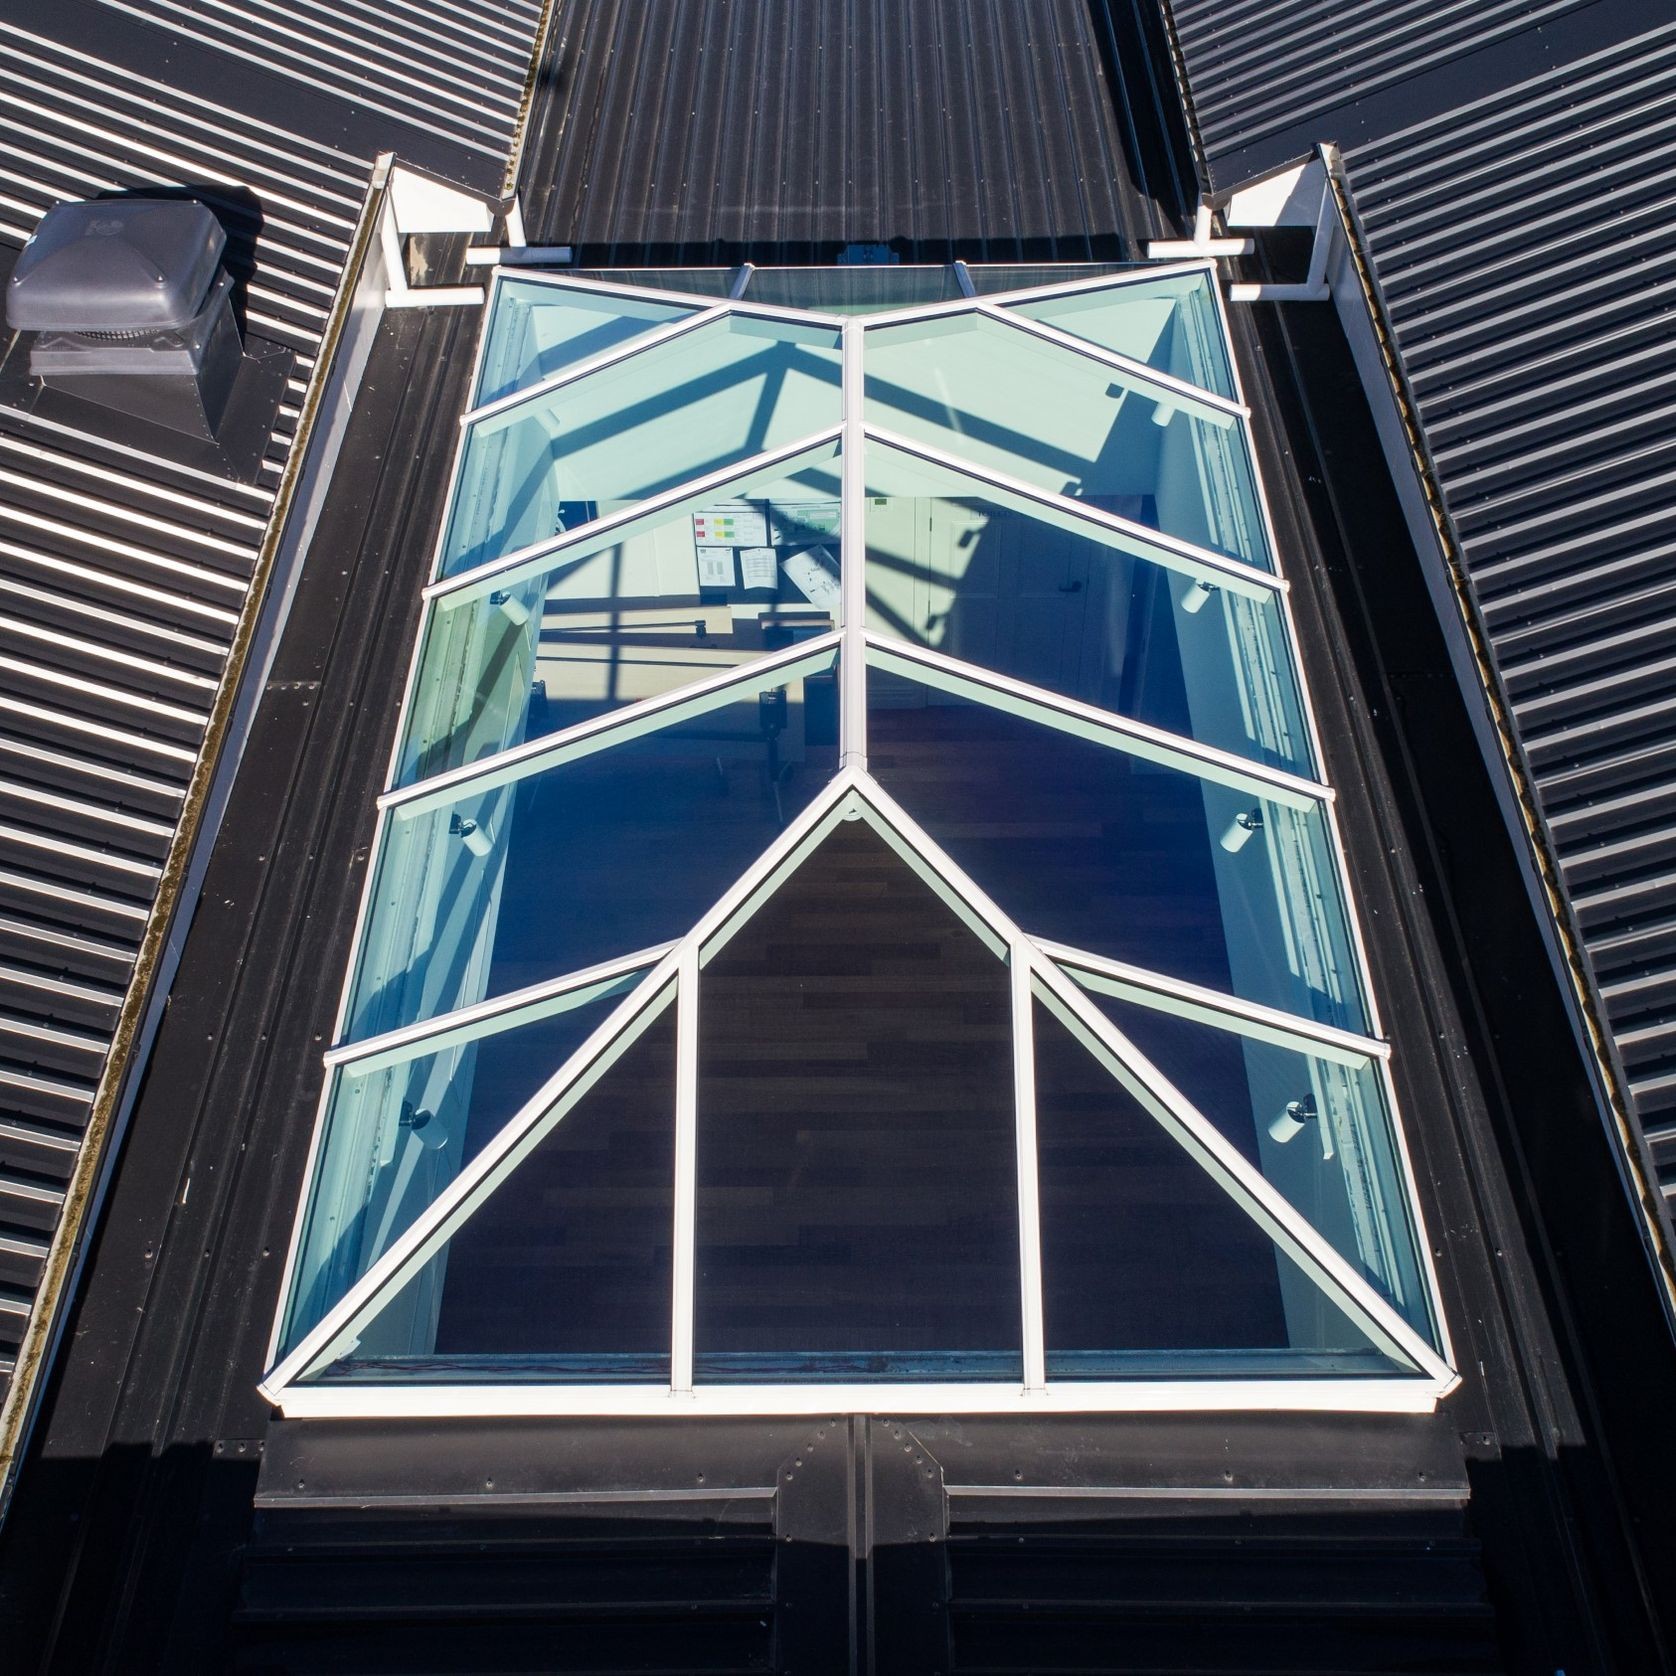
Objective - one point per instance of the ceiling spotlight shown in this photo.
(1241, 830)
(478, 839)
(512, 608)
(1163, 413)
(1294, 1115)
(424, 1126)
(1196, 597)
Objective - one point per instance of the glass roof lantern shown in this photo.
(856, 918)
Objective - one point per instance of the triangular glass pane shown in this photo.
(395, 1135)
(998, 581)
(539, 328)
(562, 1271)
(857, 1165)
(708, 399)
(1315, 1125)
(533, 871)
(1150, 1268)
(1086, 844)
(633, 613)
(1172, 324)
(981, 390)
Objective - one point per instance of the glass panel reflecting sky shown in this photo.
(563, 1271)
(539, 329)
(396, 1135)
(596, 857)
(1317, 1128)
(977, 388)
(857, 1172)
(628, 615)
(1086, 845)
(1148, 1265)
(1171, 324)
(1065, 605)
(706, 400)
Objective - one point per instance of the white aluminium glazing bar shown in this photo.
(541, 556)
(616, 727)
(852, 557)
(1144, 1396)
(1203, 564)
(490, 1016)
(1191, 398)
(1020, 959)
(1122, 733)
(1211, 1006)
(656, 338)
(685, 1257)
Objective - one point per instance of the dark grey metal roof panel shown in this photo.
(125, 559)
(702, 131)
(1512, 169)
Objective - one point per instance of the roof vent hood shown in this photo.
(131, 308)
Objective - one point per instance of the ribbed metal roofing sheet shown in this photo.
(703, 131)
(1518, 219)
(124, 568)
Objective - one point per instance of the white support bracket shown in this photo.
(1300, 196)
(1203, 243)
(418, 203)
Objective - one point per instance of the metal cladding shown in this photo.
(695, 131)
(1511, 204)
(125, 559)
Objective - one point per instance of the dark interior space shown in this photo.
(1077, 842)
(569, 1258)
(857, 1171)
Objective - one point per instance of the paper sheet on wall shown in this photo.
(757, 568)
(715, 567)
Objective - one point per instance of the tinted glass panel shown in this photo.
(1148, 1266)
(1318, 1129)
(1068, 606)
(857, 1174)
(396, 1134)
(713, 397)
(540, 329)
(990, 277)
(1171, 324)
(563, 1272)
(627, 615)
(599, 856)
(984, 392)
(1089, 846)
(858, 290)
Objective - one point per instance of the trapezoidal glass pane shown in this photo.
(988, 278)
(1172, 324)
(630, 614)
(519, 879)
(395, 1135)
(853, 290)
(539, 328)
(562, 1271)
(1150, 1268)
(1086, 844)
(1317, 1127)
(857, 1165)
(983, 391)
(1001, 582)
(704, 401)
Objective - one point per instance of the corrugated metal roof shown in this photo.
(704, 131)
(1517, 217)
(125, 564)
